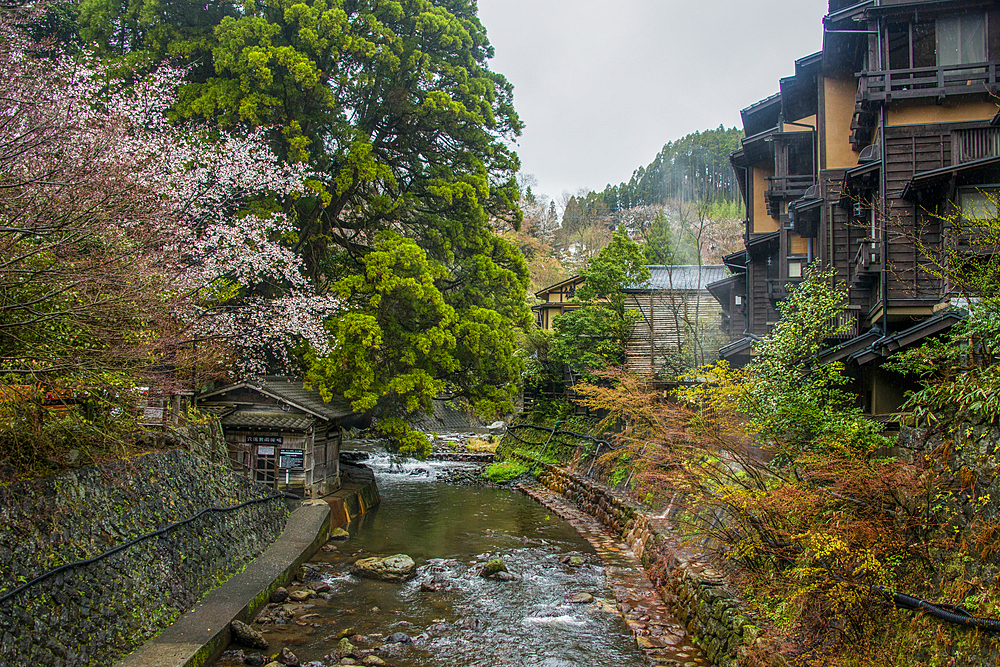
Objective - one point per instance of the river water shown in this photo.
(451, 531)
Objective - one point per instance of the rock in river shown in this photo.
(493, 567)
(399, 567)
(247, 636)
(288, 658)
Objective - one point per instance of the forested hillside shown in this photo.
(693, 168)
(684, 206)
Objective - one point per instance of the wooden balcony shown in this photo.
(939, 82)
(785, 188)
(868, 259)
(847, 324)
(777, 288)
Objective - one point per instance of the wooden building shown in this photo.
(677, 324)
(556, 300)
(855, 159)
(281, 434)
(678, 316)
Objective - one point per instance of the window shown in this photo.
(979, 203)
(961, 39)
(795, 269)
(800, 155)
(947, 40)
(265, 469)
(911, 45)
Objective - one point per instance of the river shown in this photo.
(451, 531)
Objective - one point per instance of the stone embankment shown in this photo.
(657, 631)
(93, 613)
(708, 609)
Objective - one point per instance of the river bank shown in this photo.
(556, 611)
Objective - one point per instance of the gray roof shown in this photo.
(268, 420)
(681, 277)
(292, 391)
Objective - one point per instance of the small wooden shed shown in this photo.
(281, 434)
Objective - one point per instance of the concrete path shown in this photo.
(202, 633)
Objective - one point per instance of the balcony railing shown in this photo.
(868, 259)
(782, 188)
(937, 81)
(847, 324)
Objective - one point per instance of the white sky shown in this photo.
(601, 85)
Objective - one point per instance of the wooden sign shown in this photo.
(265, 439)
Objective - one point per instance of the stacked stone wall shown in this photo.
(93, 614)
(713, 614)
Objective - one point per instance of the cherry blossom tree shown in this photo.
(125, 240)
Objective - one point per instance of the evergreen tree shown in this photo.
(393, 107)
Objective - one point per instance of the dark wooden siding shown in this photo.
(911, 150)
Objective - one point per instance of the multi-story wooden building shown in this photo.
(854, 161)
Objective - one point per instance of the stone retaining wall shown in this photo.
(91, 615)
(701, 600)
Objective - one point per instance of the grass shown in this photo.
(504, 471)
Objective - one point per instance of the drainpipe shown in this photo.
(883, 211)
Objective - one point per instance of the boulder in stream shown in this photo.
(398, 567)
(345, 647)
(244, 635)
(288, 658)
(493, 567)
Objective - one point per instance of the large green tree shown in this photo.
(394, 107)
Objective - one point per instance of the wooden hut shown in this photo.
(281, 434)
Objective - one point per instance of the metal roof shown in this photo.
(940, 177)
(740, 345)
(681, 277)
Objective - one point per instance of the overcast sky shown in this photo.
(601, 85)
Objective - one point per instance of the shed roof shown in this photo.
(562, 283)
(293, 393)
(681, 277)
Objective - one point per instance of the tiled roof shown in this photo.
(293, 392)
(268, 420)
